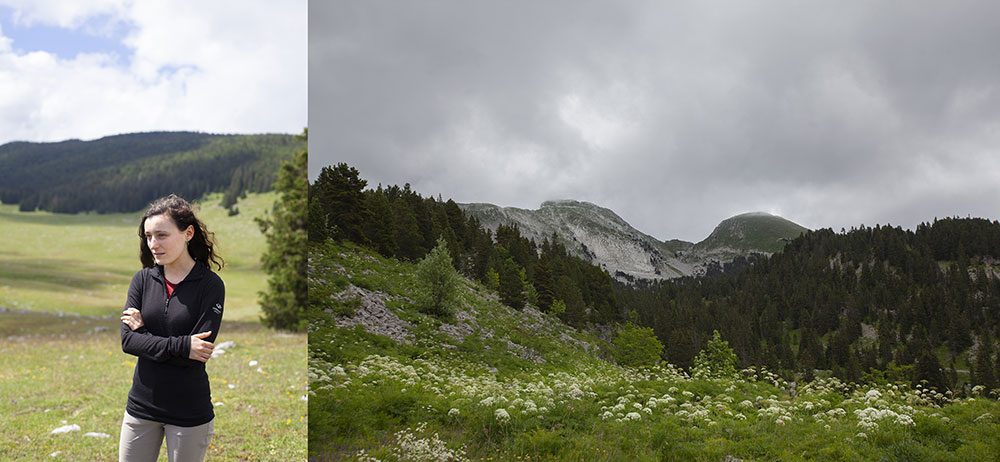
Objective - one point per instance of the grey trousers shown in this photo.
(141, 440)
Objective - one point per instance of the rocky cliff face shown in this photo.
(602, 237)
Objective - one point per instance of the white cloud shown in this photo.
(64, 13)
(224, 67)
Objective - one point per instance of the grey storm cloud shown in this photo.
(676, 115)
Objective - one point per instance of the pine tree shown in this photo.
(985, 374)
(339, 190)
(637, 346)
(286, 299)
(409, 241)
(682, 346)
(511, 284)
(543, 284)
(492, 279)
(567, 291)
(380, 229)
(853, 370)
(928, 369)
(716, 359)
(318, 231)
(439, 278)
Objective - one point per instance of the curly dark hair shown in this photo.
(202, 244)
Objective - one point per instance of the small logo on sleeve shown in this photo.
(217, 308)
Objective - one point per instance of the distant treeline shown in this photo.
(863, 303)
(398, 222)
(124, 173)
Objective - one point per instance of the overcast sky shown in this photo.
(676, 115)
(88, 69)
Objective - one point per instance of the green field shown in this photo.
(82, 263)
(63, 280)
(57, 371)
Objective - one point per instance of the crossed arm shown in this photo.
(184, 350)
(199, 350)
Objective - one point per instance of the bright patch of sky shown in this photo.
(91, 69)
(99, 34)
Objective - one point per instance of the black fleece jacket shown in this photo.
(167, 386)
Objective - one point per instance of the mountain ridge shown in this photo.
(601, 236)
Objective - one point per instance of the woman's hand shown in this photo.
(200, 349)
(132, 318)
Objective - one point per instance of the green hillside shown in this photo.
(752, 231)
(123, 173)
(82, 263)
(388, 382)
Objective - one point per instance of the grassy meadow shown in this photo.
(63, 280)
(57, 371)
(492, 383)
(82, 264)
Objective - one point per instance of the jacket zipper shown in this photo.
(166, 301)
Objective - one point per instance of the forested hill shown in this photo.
(400, 223)
(123, 173)
(920, 304)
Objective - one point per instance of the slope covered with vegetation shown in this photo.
(124, 173)
(389, 381)
(919, 305)
(757, 232)
(398, 222)
(528, 357)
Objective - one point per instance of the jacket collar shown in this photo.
(197, 272)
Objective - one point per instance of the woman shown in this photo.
(172, 317)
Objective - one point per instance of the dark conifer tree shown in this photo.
(380, 229)
(285, 260)
(318, 230)
(928, 369)
(682, 346)
(339, 191)
(511, 286)
(985, 374)
(544, 284)
(409, 241)
(567, 291)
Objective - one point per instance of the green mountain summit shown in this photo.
(602, 237)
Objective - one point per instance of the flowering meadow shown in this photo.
(493, 383)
